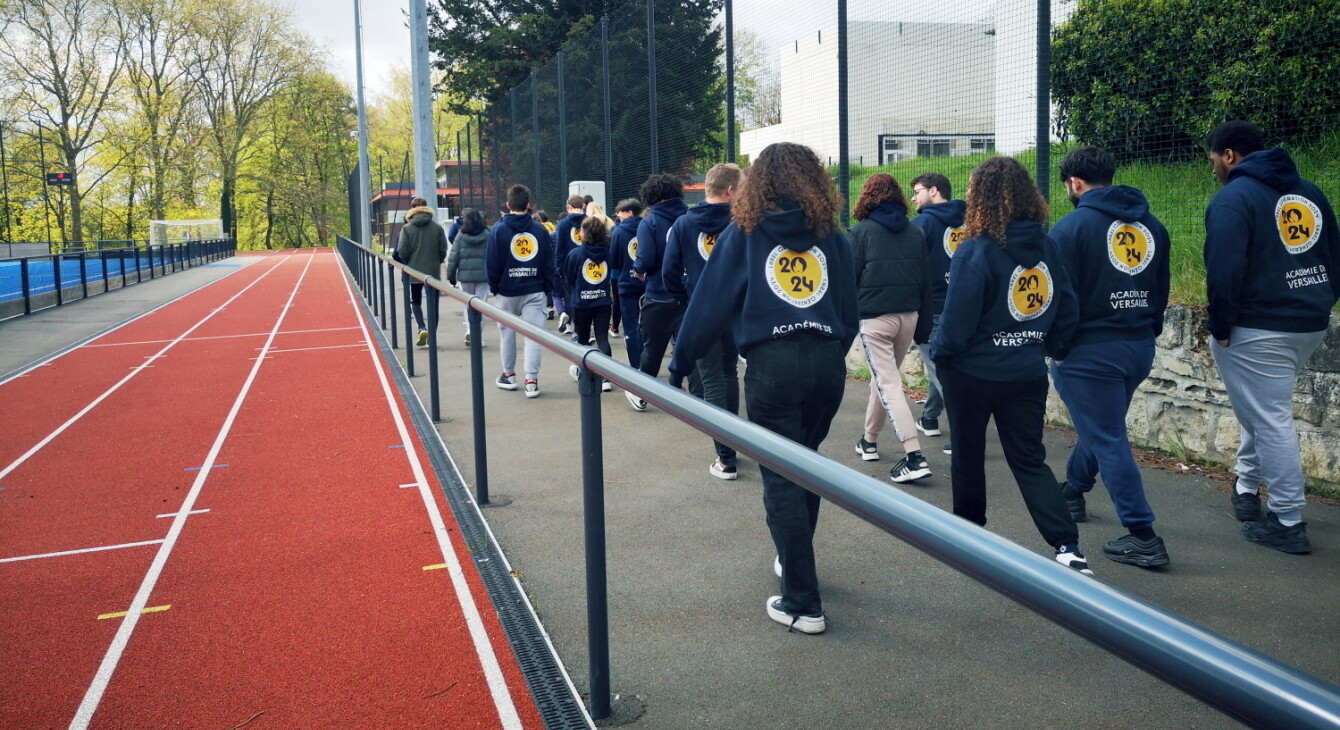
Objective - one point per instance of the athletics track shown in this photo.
(217, 515)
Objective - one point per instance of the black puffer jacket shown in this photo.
(892, 275)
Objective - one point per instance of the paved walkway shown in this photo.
(911, 643)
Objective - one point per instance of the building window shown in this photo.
(933, 148)
(889, 150)
(987, 144)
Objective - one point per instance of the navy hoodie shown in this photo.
(623, 252)
(567, 235)
(1006, 308)
(692, 238)
(518, 259)
(778, 280)
(1116, 253)
(1272, 250)
(586, 276)
(943, 224)
(892, 275)
(651, 239)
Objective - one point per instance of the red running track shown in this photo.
(217, 515)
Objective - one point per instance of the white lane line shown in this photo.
(221, 337)
(80, 551)
(324, 347)
(134, 371)
(502, 695)
(109, 661)
(174, 514)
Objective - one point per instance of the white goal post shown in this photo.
(166, 232)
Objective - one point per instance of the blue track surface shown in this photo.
(42, 273)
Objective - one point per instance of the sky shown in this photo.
(385, 36)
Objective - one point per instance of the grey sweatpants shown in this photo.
(1260, 370)
(529, 307)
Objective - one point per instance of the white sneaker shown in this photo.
(637, 403)
(1073, 559)
(606, 386)
(532, 389)
(777, 565)
(803, 624)
(721, 471)
(575, 372)
(563, 320)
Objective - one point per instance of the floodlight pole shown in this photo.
(364, 207)
(425, 157)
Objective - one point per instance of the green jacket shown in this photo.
(423, 243)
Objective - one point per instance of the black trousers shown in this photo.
(793, 387)
(1019, 409)
(716, 379)
(658, 322)
(584, 320)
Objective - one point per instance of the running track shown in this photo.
(217, 515)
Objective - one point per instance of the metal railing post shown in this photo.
(433, 301)
(139, 270)
(56, 261)
(477, 396)
(593, 511)
(390, 303)
(26, 284)
(83, 275)
(409, 324)
(102, 261)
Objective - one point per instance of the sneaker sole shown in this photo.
(532, 394)
(638, 404)
(929, 431)
(506, 387)
(1143, 561)
(803, 624)
(1292, 549)
(911, 476)
(866, 455)
(726, 475)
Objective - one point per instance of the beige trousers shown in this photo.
(886, 339)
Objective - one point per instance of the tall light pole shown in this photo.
(425, 157)
(364, 207)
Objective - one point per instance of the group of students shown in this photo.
(762, 271)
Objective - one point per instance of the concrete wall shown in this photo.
(1183, 406)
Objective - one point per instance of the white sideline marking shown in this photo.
(174, 514)
(81, 551)
(220, 337)
(134, 371)
(502, 695)
(323, 347)
(118, 646)
(407, 486)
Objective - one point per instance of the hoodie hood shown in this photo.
(599, 252)
(669, 210)
(419, 215)
(710, 218)
(1122, 202)
(788, 228)
(890, 214)
(518, 221)
(1024, 242)
(950, 213)
(629, 223)
(1274, 167)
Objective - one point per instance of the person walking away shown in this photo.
(892, 286)
(1116, 254)
(629, 289)
(1272, 275)
(567, 235)
(422, 246)
(1009, 303)
(715, 377)
(465, 263)
(659, 311)
(941, 217)
(784, 271)
(521, 275)
(586, 275)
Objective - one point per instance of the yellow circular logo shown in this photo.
(1299, 221)
(524, 247)
(952, 238)
(1030, 292)
(1130, 246)
(632, 251)
(799, 278)
(594, 272)
(706, 242)
(575, 233)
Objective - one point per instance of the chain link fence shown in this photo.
(928, 88)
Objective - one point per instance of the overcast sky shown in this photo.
(385, 36)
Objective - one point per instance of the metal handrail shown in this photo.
(1239, 681)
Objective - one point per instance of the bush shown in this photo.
(1148, 79)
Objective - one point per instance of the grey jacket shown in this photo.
(466, 261)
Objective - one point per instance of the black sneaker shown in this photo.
(948, 449)
(1246, 507)
(867, 450)
(929, 426)
(803, 624)
(1131, 550)
(506, 381)
(910, 468)
(1072, 558)
(1074, 501)
(1271, 533)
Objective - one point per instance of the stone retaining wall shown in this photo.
(1182, 407)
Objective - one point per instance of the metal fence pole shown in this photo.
(139, 270)
(83, 275)
(477, 396)
(102, 262)
(434, 393)
(391, 305)
(1044, 142)
(535, 132)
(56, 261)
(844, 141)
(593, 511)
(730, 82)
(605, 93)
(26, 284)
(409, 324)
(651, 87)
(562, 125)
(469, 167)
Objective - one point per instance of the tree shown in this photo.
(63, 58)
(758, 86)
(243, 53)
